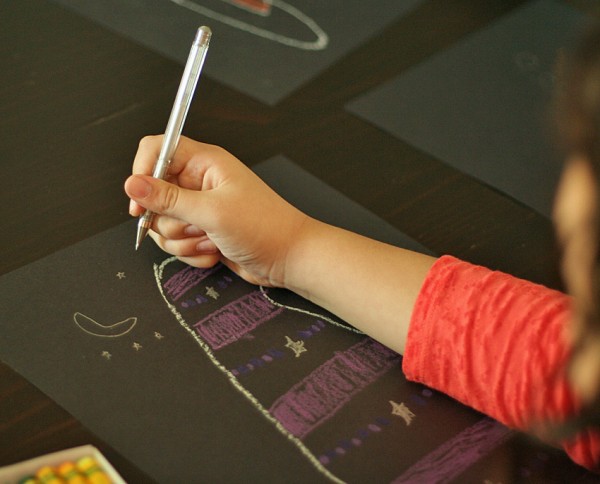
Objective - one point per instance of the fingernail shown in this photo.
(139, 188)
(192, 230)
(206, 245)
(132, 205)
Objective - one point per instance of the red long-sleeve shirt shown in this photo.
(498, 344)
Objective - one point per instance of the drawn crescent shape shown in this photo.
(94, 328)
(320, 43)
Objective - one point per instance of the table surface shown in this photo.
(76, 98)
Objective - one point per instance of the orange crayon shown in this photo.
(69, 472)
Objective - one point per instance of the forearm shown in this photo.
(369, 284)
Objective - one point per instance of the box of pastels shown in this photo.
(78, 465)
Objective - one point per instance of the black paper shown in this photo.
(197, 376)
(267, 54)
(483, 105)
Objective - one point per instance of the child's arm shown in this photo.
(214, 208)
(500, 345)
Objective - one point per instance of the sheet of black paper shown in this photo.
(483, 104)
(316, 198)
(197, 376)
(264, 48)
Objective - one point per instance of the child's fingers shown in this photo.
(173, 228)
(146, 155)
(188, 247)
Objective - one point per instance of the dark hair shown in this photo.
(578, 122)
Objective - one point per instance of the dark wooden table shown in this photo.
(75, 99)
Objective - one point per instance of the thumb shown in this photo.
(162, 197)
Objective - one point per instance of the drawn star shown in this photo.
(402, 411)
(210, 292)
(121, 275)
(106, 355)
(136, 346)
(157, 335)
(296, 346)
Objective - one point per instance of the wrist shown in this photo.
(303, 259)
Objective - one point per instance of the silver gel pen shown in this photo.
(183, 99)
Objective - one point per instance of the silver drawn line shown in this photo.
(320, 43)
(94, 328)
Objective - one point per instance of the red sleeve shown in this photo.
(497, 344)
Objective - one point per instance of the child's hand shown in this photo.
(211, 208)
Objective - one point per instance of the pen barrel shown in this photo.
(161, 167)
(185, 93)
(146, 219)
(183, 99)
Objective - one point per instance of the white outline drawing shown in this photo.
(476, 441)
(158, 275)
(94, 328)
(321, 42)
(303, 311)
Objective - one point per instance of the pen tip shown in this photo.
(144, 224)
(141, 233)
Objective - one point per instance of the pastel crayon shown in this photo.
(29, 480)
(92, 471)
(69, 472)
(47, 475)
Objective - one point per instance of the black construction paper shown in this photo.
(264, 48)
(318, 199)
(483, 105)
(197, 376)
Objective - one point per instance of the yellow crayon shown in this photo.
(92, 471)
(47, 475)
